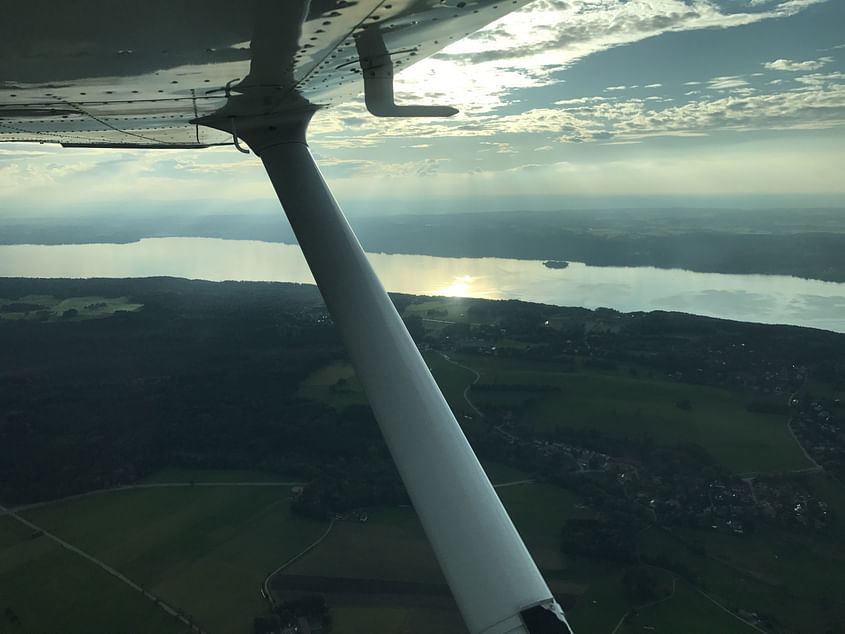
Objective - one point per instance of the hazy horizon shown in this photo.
(562, 104)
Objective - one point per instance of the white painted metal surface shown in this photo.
(486, 564)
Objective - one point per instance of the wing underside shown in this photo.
(132, 74)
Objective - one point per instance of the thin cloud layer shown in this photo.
(797, 67)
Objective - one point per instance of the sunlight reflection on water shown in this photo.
(759, 298)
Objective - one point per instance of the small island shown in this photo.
(556, 264)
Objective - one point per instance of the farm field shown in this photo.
(334, 384)
(203, 550)
(49, 308)
(621, 406)
(206, 550)
(172, 474)
(615, 404)
(45, 588)
(792, 580)
(686, 611)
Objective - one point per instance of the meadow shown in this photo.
(45, 588)
(49, 308)
(623, 406)
(204, 550)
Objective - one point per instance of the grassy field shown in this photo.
(205, 550)
(334, 384)
(170, 474)
(499, 473)
(539, 511)
(391, 545)
(452, 381)
(50, 589)
(624, 406)
(795, 577)
(50, 308)
(447, 309)
(686, 611)
(614, 403)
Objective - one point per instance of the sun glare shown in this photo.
(460, 287)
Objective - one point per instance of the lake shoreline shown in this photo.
(757, 298)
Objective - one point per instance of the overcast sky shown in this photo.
(564, 104)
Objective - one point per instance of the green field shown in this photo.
(334, 384)
(624, 406)
(204, 550)
(50, 589)
(616, 404)
(390, 545)
(447, 309)
(452, 381)
(687, 612)
(793, 579)
(49, 308)
(171, 474)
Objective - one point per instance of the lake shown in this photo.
(775, 299)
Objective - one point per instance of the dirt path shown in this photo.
(725, 609)
(467, 388)
(104, 566)
(646, 605)
(156, 485)
(265, 587)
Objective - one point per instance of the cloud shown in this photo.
(531, 46)
(726, 83)
(811, 101)
(795, 67)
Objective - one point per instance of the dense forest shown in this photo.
(205, 375)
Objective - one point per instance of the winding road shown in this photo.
(467, 388)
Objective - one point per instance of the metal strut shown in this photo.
(496, 584)
(377, 69)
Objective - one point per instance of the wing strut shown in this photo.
(496, 584)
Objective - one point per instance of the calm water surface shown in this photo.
(756, 298)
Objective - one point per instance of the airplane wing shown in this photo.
(144, 74)
(196, 73)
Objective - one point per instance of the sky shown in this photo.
(563, 104)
